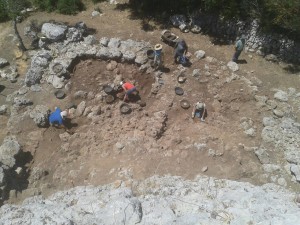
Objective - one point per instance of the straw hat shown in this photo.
(158, 47)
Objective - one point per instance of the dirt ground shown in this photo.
(105, 166)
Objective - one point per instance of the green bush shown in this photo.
(69, 6)
(97, 1)
(3, 12)
(278, 15)
(62, 6)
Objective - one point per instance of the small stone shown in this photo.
(119, 146)
(233, 66)
(19, 170)
(200, 54)
(3, 109)
(204, 169)
(95, 13)
(117, 183)
(278, 113)
(211, 152)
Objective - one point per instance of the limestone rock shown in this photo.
(38, 64)
(40, 115)
(271, 58)
(57, 82)
(3, 109)
(281, 96)
(95, 13)
(129, 56)
(233, 66)
(200, 54)
(9, 148)
(74, 35)
(114, 43)
(269, 121)
(295, 169)
(262, 155)
(54, 32)
(80, 108)
(104, 41)
(80, 94)
(196, 73)
(90, 40)
(141, 58)
(3, 62)
(157, 204)
(22, 101)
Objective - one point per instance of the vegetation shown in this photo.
(282, 15)
(62, 6)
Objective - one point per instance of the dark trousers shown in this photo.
(236, 55)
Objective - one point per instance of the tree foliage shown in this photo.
(274, 14)
(62, 6)
(283, 13)
(10, 9)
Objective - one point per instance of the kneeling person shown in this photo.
(199, 110)
(57, 117)
(128, 88)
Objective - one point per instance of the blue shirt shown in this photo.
(55, 117)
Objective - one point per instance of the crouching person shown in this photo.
(129, 90)
(57, 118)
(199, 111)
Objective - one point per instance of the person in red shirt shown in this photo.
(128, 88)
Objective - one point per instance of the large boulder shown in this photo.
(9, 148)
(38, 64)
(54, 32)
(40, 115)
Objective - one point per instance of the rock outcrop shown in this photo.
(166, 200)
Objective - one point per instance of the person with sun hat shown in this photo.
(157, 62)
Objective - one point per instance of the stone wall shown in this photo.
(258, 41)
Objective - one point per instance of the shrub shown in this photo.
(69, 7)
(97, 1)
(3, 12)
